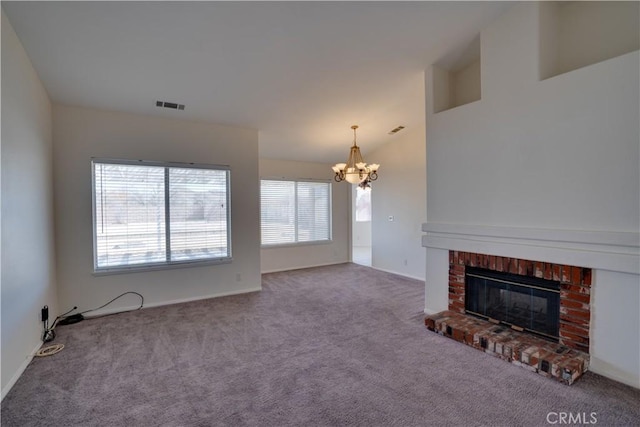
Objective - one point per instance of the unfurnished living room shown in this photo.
(320, 213)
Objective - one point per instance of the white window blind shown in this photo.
(313, 211)
(155, 214)
(295, 212)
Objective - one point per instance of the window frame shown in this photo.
(329, 239)
(167, 264)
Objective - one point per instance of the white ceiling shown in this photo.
(300, 72)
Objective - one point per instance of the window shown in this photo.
(363, 204)
(149, 214)
(294, 212)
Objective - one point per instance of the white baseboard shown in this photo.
(20, 371)
(399, 274)
(343, 262)
(430, 312)
(98, 313)
(300, 267)
(606, 369)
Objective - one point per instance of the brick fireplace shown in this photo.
(575, 289)
(562, 356)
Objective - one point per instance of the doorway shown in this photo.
(361, 226)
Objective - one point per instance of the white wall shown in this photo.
(545, 170)
(80, 134)
(400, 191)
(28, 272)
(616, 298)
(301, 256)
(507, 153)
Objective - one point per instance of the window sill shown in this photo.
(297, 244)
(153, 267)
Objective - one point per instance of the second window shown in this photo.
(294, 212)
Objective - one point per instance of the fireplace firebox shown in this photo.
(529, 303)
(575, 290)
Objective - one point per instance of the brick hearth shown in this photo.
(544, 357)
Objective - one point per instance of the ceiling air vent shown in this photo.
(396, 130)
(171, 105)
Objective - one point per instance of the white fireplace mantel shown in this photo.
(605, 250)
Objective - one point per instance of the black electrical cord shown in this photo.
(64, 314)
(119, 296)
(49, 334)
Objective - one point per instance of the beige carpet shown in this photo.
(338, 345)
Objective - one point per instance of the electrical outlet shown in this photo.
(405, 262)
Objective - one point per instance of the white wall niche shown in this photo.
(456, 77)
(576, 34)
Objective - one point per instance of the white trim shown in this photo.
(600, 367)
(614, 251)
(140, 268)
(342, 262)
(278, 270)
(294, 244)
(20, 371)
(430, 312)
(98, 313)
(408, 276)
(612, 238)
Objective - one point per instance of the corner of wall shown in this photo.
(397, 215)
(28, 283)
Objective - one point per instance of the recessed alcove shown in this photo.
(576, 34)
(456, 77)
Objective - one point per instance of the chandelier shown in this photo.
(356, 171)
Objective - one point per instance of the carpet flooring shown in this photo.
(332, 346)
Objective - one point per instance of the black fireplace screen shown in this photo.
(526, 302)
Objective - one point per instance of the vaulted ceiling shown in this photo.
(299, 72)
